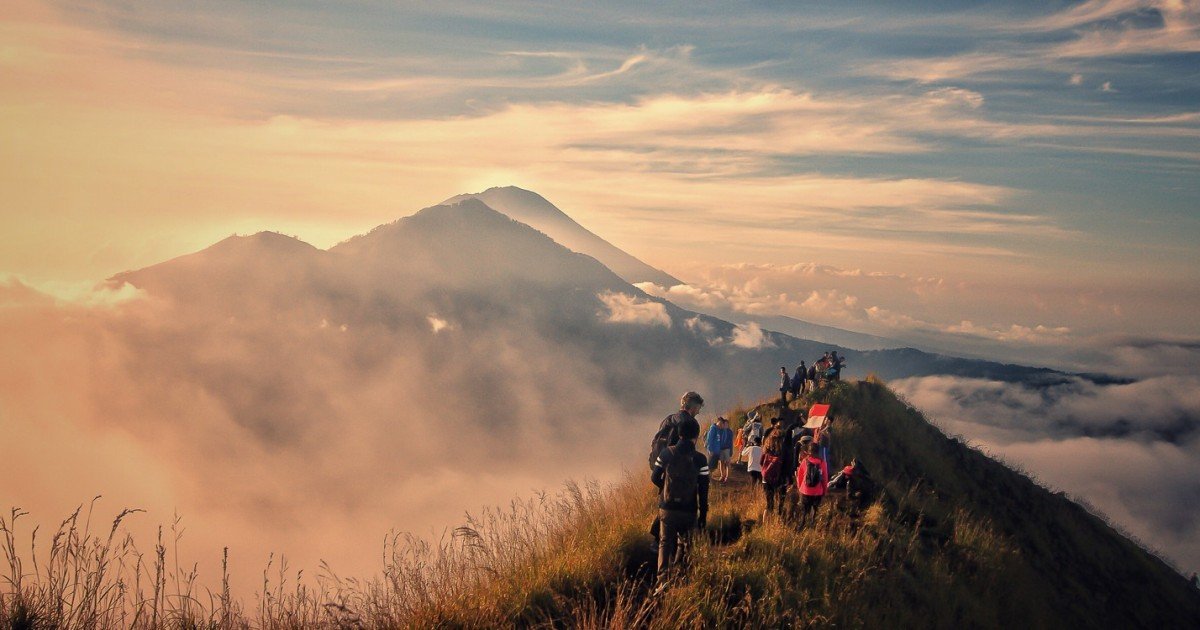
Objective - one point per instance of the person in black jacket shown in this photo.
(690, 404)
(789, 427)
(681, 474)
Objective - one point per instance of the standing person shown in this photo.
(785, 386)
(812, 375)
(719, 443)
(681, 474)
(739, 442)
(799, 380)
(753, 456)
(753, 428)
(772, 471)
(789, 432)
(835, 366)
(812, 477)
(690, 404)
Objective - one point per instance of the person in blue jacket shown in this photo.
(719, 443)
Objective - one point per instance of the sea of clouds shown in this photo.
(1129, 449)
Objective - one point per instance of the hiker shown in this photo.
(753, 457)
(785, 386)
(799, 380)
(841, 481)
(812, 478)
(772, 470)
(739, 442)
(789, 432)
(719, 442)
(752, 430)
(681, 474)
(1194, 580)
(835, 367)
(668, 431)
(668, 435)
(812, 375)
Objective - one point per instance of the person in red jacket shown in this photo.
(812, 478)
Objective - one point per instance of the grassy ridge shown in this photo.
(952, 539)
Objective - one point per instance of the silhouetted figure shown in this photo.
(682, 476)
(799, 380)
(668, 435)
(785, 386)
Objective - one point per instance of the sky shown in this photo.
(1022, 174)
(1014, 180)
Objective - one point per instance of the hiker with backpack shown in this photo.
(812, 376)
(668, 435)
(753, 429)
(812, 479)
(773, 477)
(682, 476)
(719, 442)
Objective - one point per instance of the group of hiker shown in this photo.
(789, 459)
(807, 378)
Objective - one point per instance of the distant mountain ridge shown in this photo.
(466, 255)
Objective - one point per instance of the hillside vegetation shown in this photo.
(951, 539)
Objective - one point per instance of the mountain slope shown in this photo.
(949, 538)
(534, 210)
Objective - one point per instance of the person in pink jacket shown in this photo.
(812, 478)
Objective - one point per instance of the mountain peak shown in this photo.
(534, 210)
(265, 239)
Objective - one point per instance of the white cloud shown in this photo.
(622, 308)
(1132, 450)
(751, 336)
(700, 326)
(1076, 79)
(437, 324)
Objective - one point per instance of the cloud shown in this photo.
(1132, 450)
(622, 308)
(751, 336)
(1076, 79)
(268, 431)
(437, 324)
(894, 305)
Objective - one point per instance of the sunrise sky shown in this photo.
(1024, 174)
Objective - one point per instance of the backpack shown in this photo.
(812, 474)
(771, 469)
(756, 431)
(666, 436)
(680, 480)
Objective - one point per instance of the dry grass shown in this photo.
(951, 539)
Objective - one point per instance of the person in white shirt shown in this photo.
(753, 457)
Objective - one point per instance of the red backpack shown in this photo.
(772, 469)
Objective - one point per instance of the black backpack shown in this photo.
(680, 480)
(667, 435)
(812, 473)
